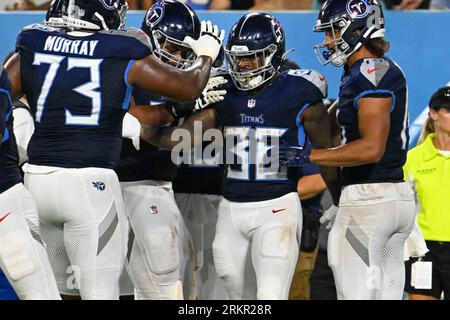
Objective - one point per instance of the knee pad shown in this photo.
(15, 252)
(277, 241)
(222, 256)
(270, 290)
(162, 249)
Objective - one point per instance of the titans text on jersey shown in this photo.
(273, 113)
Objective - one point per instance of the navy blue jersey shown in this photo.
(204, 177)
(375, 78)
(9, 156)
(149, 162)
(77, 88)
(273, 113)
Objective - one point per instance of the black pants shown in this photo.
(439, 255)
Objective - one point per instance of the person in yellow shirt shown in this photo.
(428, 167)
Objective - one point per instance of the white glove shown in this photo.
(131, 129)
(329, 216)
(209, 95)
(209, 42)
(415, 245)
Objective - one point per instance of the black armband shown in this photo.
(180, 110)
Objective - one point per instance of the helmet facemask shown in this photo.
(167, 46)
(116, 16)
(251, 79)
(337, 50)
(349, 33)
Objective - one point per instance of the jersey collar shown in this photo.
(430, 150)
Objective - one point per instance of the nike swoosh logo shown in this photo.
(4, 217)
(372, 70)
(276, 211)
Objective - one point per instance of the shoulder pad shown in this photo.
(135, 33)
(312, 76)
(38, 26)
(374, 70)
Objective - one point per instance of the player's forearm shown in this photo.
(333, 180)
(355, 153)
(309, 186)
(151, 116)
(195, 78)
(160, 137)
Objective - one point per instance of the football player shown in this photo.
(376, 208)
(78, 81)
(160, 258)
(256, 242)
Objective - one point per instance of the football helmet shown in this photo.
(55, 12)
(351, 24)
(168, 23)
(96, 14)
(260, 37)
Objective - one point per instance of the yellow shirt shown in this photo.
(430, 170)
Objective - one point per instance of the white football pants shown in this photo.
(160, 256)
(81, 213)
(366, 243)
(258, 241)
(200, 214)
(22, 254)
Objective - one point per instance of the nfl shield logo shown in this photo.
(153, 209)
(251, 103)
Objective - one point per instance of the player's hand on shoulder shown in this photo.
(210, 41)
(212, 93)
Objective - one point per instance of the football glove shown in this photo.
(131, 129)
(291, 156)
(210, 95)
(179, 110)
(329, 216)
(210, 41)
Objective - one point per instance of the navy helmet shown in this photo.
(352, 23)
(168, 23)
(55, 12)
(256, 36)
(96, 14)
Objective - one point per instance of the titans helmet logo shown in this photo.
(358, 8)
(155, 14)
(110, 4)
